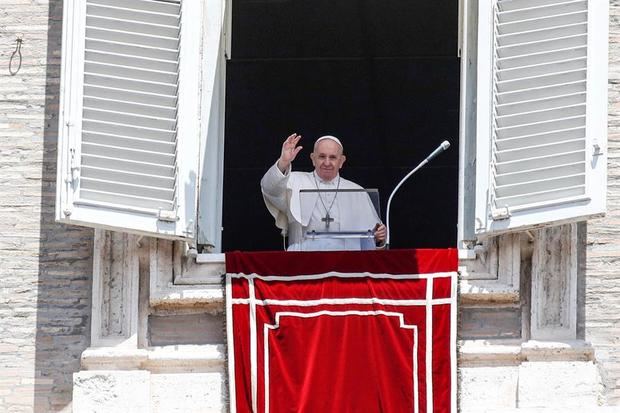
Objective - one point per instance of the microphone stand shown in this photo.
(442, 147)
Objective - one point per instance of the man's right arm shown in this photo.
(274, 181)
(273, 184)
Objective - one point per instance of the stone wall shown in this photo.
(45, 268)
(602, 323)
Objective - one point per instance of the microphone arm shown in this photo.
(442, 147)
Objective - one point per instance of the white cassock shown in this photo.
(351, 211)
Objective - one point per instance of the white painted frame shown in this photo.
(466, 180)
(484, 96)
(69, 208)
(216, 39)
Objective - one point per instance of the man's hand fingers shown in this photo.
(380, 232)
(291, 141)
(289, 151)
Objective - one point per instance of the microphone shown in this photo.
(442, 147)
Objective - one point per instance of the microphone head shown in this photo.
(445, 145)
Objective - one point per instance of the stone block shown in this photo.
(107, 391)
(188, 393)
(491, 387)
(558, 384)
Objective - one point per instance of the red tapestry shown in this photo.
(371, 331)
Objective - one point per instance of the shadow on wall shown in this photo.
(65, 261)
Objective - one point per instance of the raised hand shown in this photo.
(289, 152)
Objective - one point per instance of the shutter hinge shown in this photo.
(190, 228)
(72, 173)
(596, 149)
(498, 214)
(168, 216)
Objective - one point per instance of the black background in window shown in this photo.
(382, 75)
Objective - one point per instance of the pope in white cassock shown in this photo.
(338, 209)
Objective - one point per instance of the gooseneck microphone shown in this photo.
(442, 147)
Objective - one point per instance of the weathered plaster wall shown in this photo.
(602, 283)
(45, 268)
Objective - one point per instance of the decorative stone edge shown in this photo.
(473, 353)
(165, 359)
(490, 293)
(184, 296)
(590, 409)
(494, 276)
(167, 265)
(570, 350)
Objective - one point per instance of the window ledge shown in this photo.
(569, 350)
(213, 259)
(487, 292)
(474, 353)
(188, 296)
(166, 359)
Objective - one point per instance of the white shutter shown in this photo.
(129, 124)
(541, 112)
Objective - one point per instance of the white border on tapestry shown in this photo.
(453, 349)
(232, 396)
(343, 301)
(446, 274)
(253, 346)
(429, 345)
(400, 316)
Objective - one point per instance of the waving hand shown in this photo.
(289, 152)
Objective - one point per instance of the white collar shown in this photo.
(325, 182)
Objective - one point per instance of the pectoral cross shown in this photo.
(327, 220)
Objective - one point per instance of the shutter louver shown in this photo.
(131, 74)
(129, 123)
(541, 113)
(539, 102)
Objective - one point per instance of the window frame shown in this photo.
(217, 44)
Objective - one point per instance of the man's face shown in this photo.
(327, 159)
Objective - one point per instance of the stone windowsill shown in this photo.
(212, 357)
(166, 359)
(513, 352)
(201, 281)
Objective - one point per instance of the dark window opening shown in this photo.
(382, 75)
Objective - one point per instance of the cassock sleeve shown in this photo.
(273, 187)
